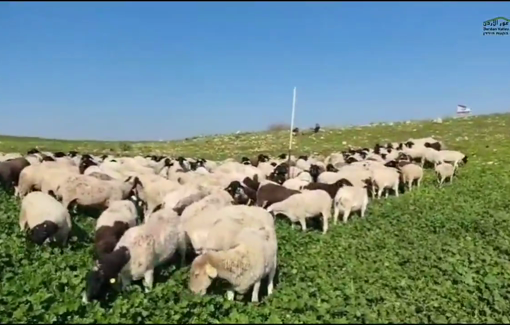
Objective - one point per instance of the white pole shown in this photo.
(291, 129)
(292, 119)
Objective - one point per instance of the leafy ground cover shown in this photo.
(431, 255)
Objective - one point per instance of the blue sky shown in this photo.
(133, 71)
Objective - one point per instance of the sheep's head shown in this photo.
(59, 154)
(233, 187)
(84, 164)
(277, 178)
(351, 160)
(201, 275)
(48, 158)
(273, 164)
(42, 231)
(104, 274)
(282, 156)
(262, 158)
(315, 171)
(436, 145)
(409, 144)
(331, 168)
(304, 157)
(391, 163)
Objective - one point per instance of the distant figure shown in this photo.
(316, 128)
(295, 131)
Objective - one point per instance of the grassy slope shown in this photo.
(433, 255)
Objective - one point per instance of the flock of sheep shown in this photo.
(152, 208)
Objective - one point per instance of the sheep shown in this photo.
(452, 156)
(304, 205)
(10, 171)
(241, 194)
(385, 178)
(138, 252)
(113, 223)
(271, 193)
(45, 217)
(444, 171)
(349, 199)
(295, 184)
(243, 266)
(230, 221)
(331, 189)
(92, 192)
(410, 173)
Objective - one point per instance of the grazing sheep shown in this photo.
(349, 199)
(410, 173)
(138, 252)
(230, 221)
(269, 194)
(385, 178)
(444, 171)
(304, 205)
(295, 184)
(113, 223)
(92, 192)
(452, 156)
(243, 266)
(10, 171)
(45, 217)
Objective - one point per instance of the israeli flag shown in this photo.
(463, 109)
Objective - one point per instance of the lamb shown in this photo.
(138, 252)
(271, 193)
(243, 266)
(45, 217)
(410, 173)
(92, 192)
(331, 189)
(304, 205)
(113, 223)
(444, 171)
(10, 171)
(349, 199)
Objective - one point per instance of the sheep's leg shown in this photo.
(148, 280)
(230, 295)
(451, 179)
(363, 209)
(346, 215)
(126, 281)
(326, 215)
(418, 183)
(335, 214)
(386, 193)
(303, 224)
(255, 293)
(395, 188)
(16, 191)
(373, 192)
(410, 185)
(379, 192)
(270, 283)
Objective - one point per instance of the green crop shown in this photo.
(432, 255)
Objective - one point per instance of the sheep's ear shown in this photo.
(211, 271)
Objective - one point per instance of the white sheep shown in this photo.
(138, 252)
(300, 206)
(92, 192)
(444, 171)
(231, 220)
(384, 178)
(410, 173)
(295, 183)
(45, 217)
(349, 199)
(243, 266)
(453, 156)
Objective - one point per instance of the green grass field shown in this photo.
(432, 255)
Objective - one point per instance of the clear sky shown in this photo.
(148, 71)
